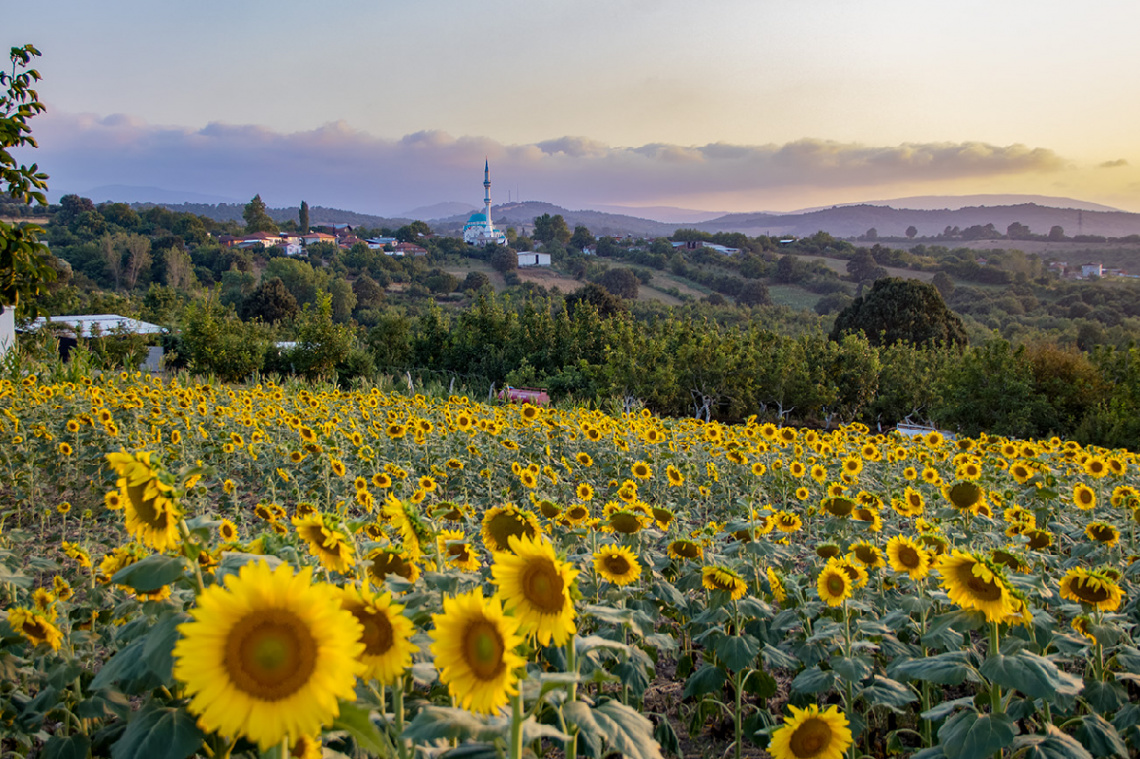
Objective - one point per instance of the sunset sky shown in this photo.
(381, 106)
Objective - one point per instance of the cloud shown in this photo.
(1118, 163)
(340, 166)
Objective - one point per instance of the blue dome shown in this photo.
(477, 218)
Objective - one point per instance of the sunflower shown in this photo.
(1021, 472)
(908, 557)
(617, 564)
(676, 479)
(331, 546)
(151, 514)
(474, 646)
(1095, 466)
(537, 588)
(974, 584)
(501, 523)
(576, 514)
(852, 466)
(387, 635)
(36, 626)
(1102, 532)
(1093, 588)
(627, 521)
(834, 585)
(663, 516)
(457, 551)
(838, 506)
(964, 495)
(1084, 496)
(826, 551)
(382, 562)
(1038, 538)
(811, 734)
(228, 531)
(776, 583)
(787, 521)
(854, 569)
(269, 655)
(683, 548)
(641, 470)
(724, 579)
(867, 554)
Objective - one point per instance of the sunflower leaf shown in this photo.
(72, 747)
(814, 680)
(944, 669)
(1100, 738)
(151, 573)
(1033, 675)
(357, 722)
(1053, 745)
(159, 732)
(737, 651)
(968, 735)
(707, 679)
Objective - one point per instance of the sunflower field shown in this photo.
(300, 570)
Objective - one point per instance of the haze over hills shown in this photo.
(954, 202)
(888, 218)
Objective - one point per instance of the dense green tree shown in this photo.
(303, 218)
(901, 309)
(603, 302)
(581, 238)
(864, 268)
(271, 302)
(1057, 232)
(504, 259)
(549, 228)
(369, 294)
(911, 231)
(754, 293)
(475, 281)
(215, 340)
(321, 344)
(257, 217)
(620, 281)
(441, 282)
(342, 299)
(413, 232)
(944, 284)
(25, 263)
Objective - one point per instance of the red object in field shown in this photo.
(533, 395)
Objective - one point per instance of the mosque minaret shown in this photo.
(479, 229)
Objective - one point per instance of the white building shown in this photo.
(531, 258)
(479, 229)
(1092, 270)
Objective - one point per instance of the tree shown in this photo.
(603, 301)
(754, 293)
(548, 228)
(944, 284)
(369, 293)
(112, 259)
(271, 302)
(1057, 232)
(303, 218)
(476, 281)
(863, 268)
(257, 218)
(412, 232)
(178, 269)
(621, 282)
(138, 258)
(901, 310)
(581, 238)
(870, 234)
(504, 259)
(911, 231)
(25, 264)
(1018, 231)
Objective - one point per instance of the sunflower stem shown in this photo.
(398, 716)
(995, 689)
(738, 726)
(197, 567)
(516, 748)
(571, 750)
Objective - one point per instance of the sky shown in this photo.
(381, 106)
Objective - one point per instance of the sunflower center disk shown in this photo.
(484, 650)
(543, 587)
(270, 655)
(616, 565)
(908, 557)
(836, 586)
(810, 738)
(377, 637)
(980, 589)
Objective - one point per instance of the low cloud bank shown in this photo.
(336, 165)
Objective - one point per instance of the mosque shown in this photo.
(479, 230)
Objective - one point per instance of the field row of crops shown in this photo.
(225, 570)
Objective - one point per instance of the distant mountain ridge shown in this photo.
(840, 221)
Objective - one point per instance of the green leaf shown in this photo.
(434, 723)
(737, 651)
(1053, 745)
(667, 737)
(883, 691)
(158, 648)
(1104, 697)
(159, 732)
(760, 684)
(357, 722)
(945, 669)
(774, 658)
(473, 751)
(614, 727)
(968, 735)
(151, 573)
(707, 679)
(72, 747)
(853, 669)
(1033, 675)
(1100, 737)
(945, 708)
(814, 680)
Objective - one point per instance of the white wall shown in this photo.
(7, 329)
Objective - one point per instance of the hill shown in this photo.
(852, 221)
(317, 214)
